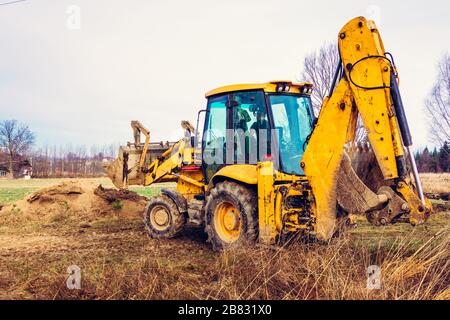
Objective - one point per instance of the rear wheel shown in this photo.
(231, 215)
(162, 218)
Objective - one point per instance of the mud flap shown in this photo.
(178, 198)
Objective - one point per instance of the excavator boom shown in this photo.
(368, 87)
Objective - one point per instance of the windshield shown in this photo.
(292, 115)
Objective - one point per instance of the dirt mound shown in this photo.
(82, 198)
(438, 195)
(52, 193)
(112, 195)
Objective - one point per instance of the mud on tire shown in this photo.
(162, 218)
(244, 200)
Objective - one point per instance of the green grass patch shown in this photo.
(9, 195)
(117, 205)
(146, 191)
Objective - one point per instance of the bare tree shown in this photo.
(437, 104)
(16, 139)
(319, 68)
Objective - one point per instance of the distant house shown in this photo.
(3, 172)
(21, 167)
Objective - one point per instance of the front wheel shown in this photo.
(162, 218)
(231, 215)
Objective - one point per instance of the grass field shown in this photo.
(13, 190)
(435, 182)
(119, 261)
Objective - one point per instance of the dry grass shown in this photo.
(435, 182)
(314, 271)
(119, 261)
(338, 271)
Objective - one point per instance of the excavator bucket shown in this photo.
(365, 165)
(362, 190)
(359, 180)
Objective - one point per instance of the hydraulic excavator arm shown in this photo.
(167, 165)
(368, 86)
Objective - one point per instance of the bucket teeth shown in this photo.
(357, 147)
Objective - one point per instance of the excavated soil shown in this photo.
(78, 197)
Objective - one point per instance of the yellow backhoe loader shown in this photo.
(265, 167)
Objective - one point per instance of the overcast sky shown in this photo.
(154, 60)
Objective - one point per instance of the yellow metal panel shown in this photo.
(190, 184)
(278, 203)
(351, 133)
(418, 214)
(323, 156)
(245, 173)
(266, 203)
(267, 87)
(357, 41)
(281, 176)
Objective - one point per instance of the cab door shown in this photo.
(215, 135)
(250, 125)
(236, 131)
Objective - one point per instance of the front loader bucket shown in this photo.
(117, 169)
(126, 169)
(114, 170)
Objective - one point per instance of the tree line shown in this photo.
(18, 158)
(437, 160)
(57, 162)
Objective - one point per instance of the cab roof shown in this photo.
(271, 86)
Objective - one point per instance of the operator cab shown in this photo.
(249, 123)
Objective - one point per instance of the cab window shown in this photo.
(251, 126)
